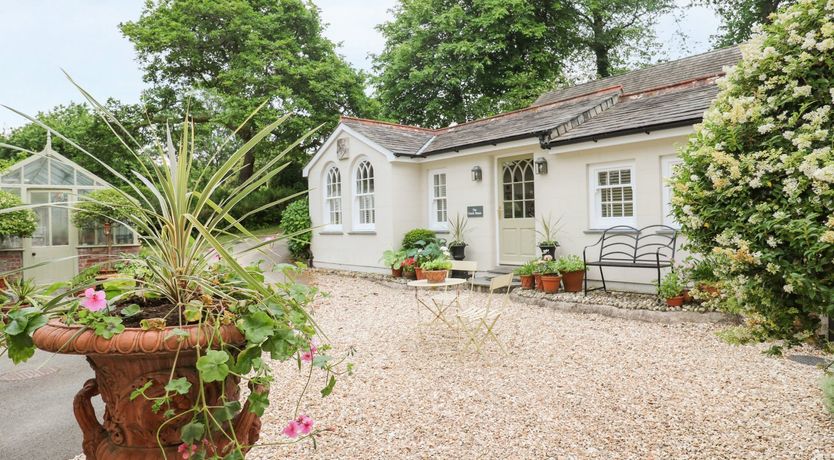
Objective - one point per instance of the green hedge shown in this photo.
(294, 219)
(418, 238)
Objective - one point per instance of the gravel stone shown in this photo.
(572, 386)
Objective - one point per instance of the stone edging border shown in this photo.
(650, 316)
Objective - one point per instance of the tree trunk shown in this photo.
(248, 168)
(599, 47)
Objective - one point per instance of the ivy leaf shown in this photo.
(20, 347)
(193, 312)
(257, 327)
(178, 333)
(131, 310)
(212, 365)
(329, 388)
(179, 386)
(192, 432)
(227, 412)
(141, 390)
(258, 402)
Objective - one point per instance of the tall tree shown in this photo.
(739, 17)
(232, 55)
(618, 33)
(455, 60)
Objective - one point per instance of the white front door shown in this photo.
(516, 212)
(51, 242)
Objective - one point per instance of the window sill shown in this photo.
(127, 245)
(331, 232)
(600, 231)
(439, 231)
(362, 232)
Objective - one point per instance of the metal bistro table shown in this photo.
(438, 308)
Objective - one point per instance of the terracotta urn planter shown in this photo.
(128, 361)
(396, 272)
(573, 280)
(710, 289)
(418, 272)
(550, 283)
(527, 281)
(435, 276)
(537, 278)
(676, 301)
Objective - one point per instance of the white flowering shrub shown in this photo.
(755, 187)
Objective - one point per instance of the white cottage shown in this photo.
(51, 179)
(595, 155)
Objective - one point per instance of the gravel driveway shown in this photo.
(573, 386)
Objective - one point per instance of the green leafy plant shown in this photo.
(756, 186)
(431, 251)
(393, 259)
(526, 269)
(548, 230)
(437, 264)
(672, 285)
(570, 263)
(418, 238)
(20, 222)
(457, 228)
(190, 278)
(295, 223)
(550, 267)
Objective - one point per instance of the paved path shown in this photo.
(36, 419)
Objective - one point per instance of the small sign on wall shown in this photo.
(474, 211)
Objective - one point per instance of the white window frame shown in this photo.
(331, 200)
(434, 223)
(667, 165)
(358, 225)
(598, 222)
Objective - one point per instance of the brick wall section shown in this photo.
(11, 259)
(89, 256)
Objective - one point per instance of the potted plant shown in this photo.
(20, 223)
(394, 260)
(551, 279)
(170, 349)
(572, 269)
(457, 228)
(548, 243)
(429, 252)
(525, 273)
(408, 267)
(436, 270)
(538, 269)
(671, 289)
(703, 274)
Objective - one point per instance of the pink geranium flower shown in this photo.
(306, 423)
(307, 356)
(187, 450)
(292, 429)
(94, 300)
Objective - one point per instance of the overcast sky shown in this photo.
(40, 37)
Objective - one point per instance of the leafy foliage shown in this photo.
(457, 228)
(526, 269)
(418, 238)
(671, 285)
(234, 55)
(296, 224)
(100, 206)
(437, 264)
(570, 263)
(21, 223)
(755, 188)
(740, 17)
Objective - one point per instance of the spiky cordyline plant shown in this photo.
(181, 225)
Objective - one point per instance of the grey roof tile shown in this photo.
(667, 73)
(399, 139)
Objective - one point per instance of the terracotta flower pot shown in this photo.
(527, 281)
(687, 297)
(550, 283)
(573, 280)
(418, 272)
(537, 278)
(676, 301)
(396, 272)
(435, 276)
(710, 289)
(409, 274)
(128, 361)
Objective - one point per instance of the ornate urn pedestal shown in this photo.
(131, 430)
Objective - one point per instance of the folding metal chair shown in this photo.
(477, 324)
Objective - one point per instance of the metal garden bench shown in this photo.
(624, 246)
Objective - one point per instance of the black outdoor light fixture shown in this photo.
(476, 174)
(541, 165)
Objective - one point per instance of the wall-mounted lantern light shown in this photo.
(476, 174)
(541, 165)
